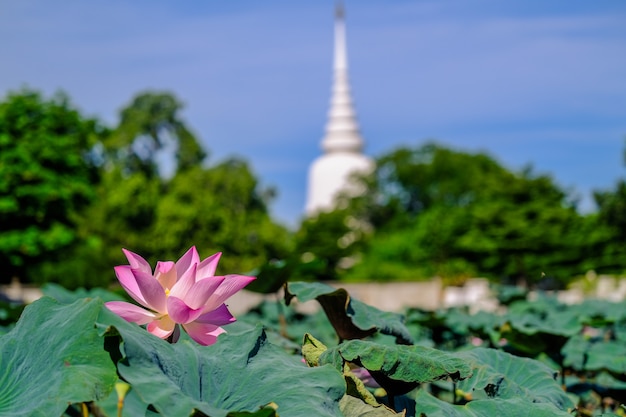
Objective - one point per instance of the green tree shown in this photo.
(328, 244)
(47, 174)
(125, 209)
(221, 208)
(437, 211)
(127, 203)
(611, 218)
(149, 123)
(525, 231)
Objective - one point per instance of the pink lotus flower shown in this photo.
(186, 292)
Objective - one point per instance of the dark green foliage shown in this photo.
(69, 217)
(612, 218)
(327, 245)
(47, 173)
(440, 212)
(399, 369)
(148, 124)
(217, 209)
(53, 357)
(250, 371)
(242, 372)
(352, 319)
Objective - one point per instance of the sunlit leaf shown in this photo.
(242, 372)
(429, 406)
(591, 355)
(351, 318)
(400, 368)
(497, 374)
(53, 357)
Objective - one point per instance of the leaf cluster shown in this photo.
(257, 370)
(434, 211)
(70, 190)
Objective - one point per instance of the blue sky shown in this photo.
(530, 82)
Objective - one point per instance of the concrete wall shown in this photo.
(398, 296)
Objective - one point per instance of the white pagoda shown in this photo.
(330, 173)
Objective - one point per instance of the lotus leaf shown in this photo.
(54, 357)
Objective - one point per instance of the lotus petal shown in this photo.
(205, 334)
(128, 281)
(165, 273)
(221, 316)
(184, 283)
(181, 312)
(190, 257)
(207, 267)
(201, 291)
(231, 284)
(151, 290)
(131, 312)
(136, 261)
(162, 327)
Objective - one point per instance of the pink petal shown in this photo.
(231, 284)
(190, 257)
(137, 262)
(208, 266)
(128, 281)
(181, 312)
(152, 292)
(204, 334)
(184, 283)
(219, 317)
(162, 327)
(130, 312)
(201, 291)
(365, 376)
(165, 273)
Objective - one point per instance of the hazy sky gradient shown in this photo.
(531, 82)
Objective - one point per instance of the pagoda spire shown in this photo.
(342, 129)
(331, 174)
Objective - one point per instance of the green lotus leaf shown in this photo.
(575, 352)
(351, 318)
(482, 323)
(429, 406)
(242, 372)
(609, 355)
(497, 374)
(65, 296)
(544, 316)
(588, 355)
(606, 380)
(399, 368)
(539, 327)
(54, 357)
(133, 406)
(597, 313)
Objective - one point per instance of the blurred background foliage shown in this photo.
(73, 192)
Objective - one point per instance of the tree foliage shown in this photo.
(216, 208)
(73, 193)
(437, 211)
(612, 217)
(47, 173)
(148, 124)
